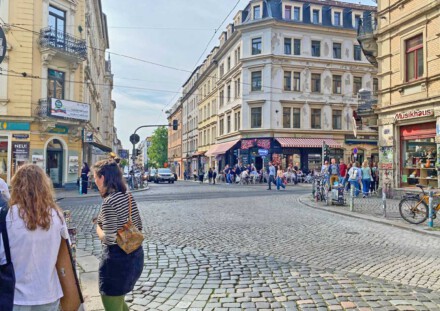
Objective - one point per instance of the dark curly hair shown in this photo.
(113, 179)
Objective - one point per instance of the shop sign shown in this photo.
(59, 129)
(263, 152)
(20, 136)
(88, 137)
(249, 143)
(67, 109)
(14, 126)
(2, 45)
(414, 114)
(123, 153)
(20, 150)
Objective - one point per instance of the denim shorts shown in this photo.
(118, 271)
(46, 307)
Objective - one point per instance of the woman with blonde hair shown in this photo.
(366, 178)
(35, 226)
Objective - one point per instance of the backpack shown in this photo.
(334, 169)
(353, 174)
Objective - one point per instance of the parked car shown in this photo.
(151, 174)
(164, 175)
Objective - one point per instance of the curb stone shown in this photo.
(304, 198)
(88, 275)
(91, 195)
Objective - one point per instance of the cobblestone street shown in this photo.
(245, 248)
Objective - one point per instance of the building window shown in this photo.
(357, 21)
(237, 120)
(297, 14)
(222, 70)
(256, 117)
(287, 80)
(229, 63)
(222, 126)
(57, 22)
(237, 88)
(55, 84)
(296, 112)
(256, 46)
(357, 85)
(414, 58)
(337, 19)
(288, 12)
(257, 12)
(297, 46)
(297, 81)
(287, 46)
(357, 52)
(316, 118)
(316, 83)
(287, 117)
(315, 17)
(222, 98)
(337, 119)
(337, 50)
(228, 118)
(237, 55)
(337, 84)
(316, 48)
(256, 81)
(228, 93)
(375, 86)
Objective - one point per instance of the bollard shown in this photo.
(384, 202)
(430, 219)
(313, 189)
(352, 198)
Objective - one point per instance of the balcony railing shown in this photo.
(366, 36)
(42, 109)
(63, 42)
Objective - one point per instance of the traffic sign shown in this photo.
(355, 150)
(134, 139)
(263, 152)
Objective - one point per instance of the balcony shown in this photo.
(366, 36)
(42, 109)
(63, 44)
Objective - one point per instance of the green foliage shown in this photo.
(158, 151)
(124, 162)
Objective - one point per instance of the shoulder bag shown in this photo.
(129, 238)
(7, 273)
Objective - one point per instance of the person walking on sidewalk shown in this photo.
(35, 226)
(353, 178)
(271, 177)
(85, 171)
(280, 179)
(118, 271)
(210, 175)
(366, 178)
(334, 173)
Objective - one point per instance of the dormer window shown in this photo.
(288, 12)
(357, 17)
(256, 10)
(337, 20)
(316, 16)
(297, 13)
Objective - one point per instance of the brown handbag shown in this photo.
(129, 238)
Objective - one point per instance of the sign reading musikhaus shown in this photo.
(2, 45)
(67, 109)
(414, 114)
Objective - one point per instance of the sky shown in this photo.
(169, 32)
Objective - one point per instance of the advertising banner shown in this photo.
(66, 109)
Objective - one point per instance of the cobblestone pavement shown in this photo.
(267, 251)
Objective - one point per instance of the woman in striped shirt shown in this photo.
(118, 271)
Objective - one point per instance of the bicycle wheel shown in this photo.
(413, 210)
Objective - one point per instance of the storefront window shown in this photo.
(314, 162)
(418, 162)
(4, 158)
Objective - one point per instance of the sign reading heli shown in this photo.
(414, 114)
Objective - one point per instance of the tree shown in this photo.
(158, 150)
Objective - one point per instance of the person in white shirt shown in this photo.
(4, 189)
(35, 227)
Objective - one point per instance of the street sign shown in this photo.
(355, 150)
(134, 139)
(263, 152)
(2, 45)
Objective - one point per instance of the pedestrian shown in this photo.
(201, 175)
(366, 178)
(35, 227)
(85, 172)
(353, 178)
(118, 271)
(271, 176)
(334, 172)
(342, 172)
(280, 179)
(210, 174)
(345, 182)
(4, 189)
(214, 175)
(374, 178)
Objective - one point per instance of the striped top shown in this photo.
(114, 214)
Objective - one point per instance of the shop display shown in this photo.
(419, 158)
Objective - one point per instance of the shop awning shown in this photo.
(220, 148)
(308, 142)
(198, 153)
(101, 147)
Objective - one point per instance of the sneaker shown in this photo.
(364, 196)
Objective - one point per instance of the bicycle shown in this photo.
(414, 207)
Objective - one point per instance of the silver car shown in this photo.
(165, 175)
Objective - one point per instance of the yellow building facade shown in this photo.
(42, 112)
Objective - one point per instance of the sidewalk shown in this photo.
(370, 209)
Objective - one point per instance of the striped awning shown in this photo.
(308, 142)
(220, 148)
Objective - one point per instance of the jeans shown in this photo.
(270, 181)
(366, 186)
(46, 307)
(280, 183)
(355, 184)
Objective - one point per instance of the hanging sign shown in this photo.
(2, 45)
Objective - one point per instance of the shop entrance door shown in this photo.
(258, 163)
(54, 163)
